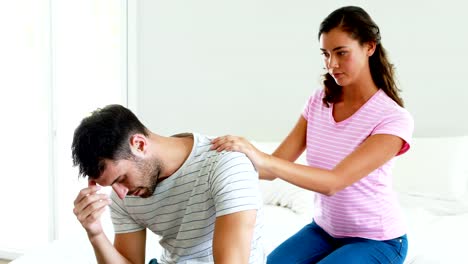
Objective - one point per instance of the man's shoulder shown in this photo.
(232, 166)
(233, 157)
(204, 151)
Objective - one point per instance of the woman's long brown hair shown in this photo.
(362, 28)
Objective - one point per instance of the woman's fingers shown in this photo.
(228, 142)
(220, 143)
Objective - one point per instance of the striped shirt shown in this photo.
(368, 208)
(184, 207)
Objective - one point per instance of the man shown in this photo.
(205, 205)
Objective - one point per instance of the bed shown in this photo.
(431, 181)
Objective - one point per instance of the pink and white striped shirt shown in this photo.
(368, 208)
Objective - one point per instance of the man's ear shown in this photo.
(138, 144)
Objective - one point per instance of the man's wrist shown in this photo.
(96, 238)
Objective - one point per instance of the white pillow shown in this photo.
(284, 194)
(435, 168)
(280, 224)
(437, 207)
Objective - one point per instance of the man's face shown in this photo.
(131, 177)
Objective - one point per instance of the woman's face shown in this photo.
(344, 58)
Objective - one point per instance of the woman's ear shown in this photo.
(370, 46)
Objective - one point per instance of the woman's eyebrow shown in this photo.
(337, 48)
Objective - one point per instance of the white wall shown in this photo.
(247, 67)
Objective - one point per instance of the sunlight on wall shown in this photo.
(62, 60)
(24, 107)
(87, 66)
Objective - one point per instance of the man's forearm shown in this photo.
(233, 236)
(105, 252)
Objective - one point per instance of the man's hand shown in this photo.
(89, 206)
(130, 247)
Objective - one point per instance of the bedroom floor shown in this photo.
(2, 261)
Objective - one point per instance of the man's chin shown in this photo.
(146, 194)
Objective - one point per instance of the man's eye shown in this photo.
(123, 178)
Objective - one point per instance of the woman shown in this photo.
(352, 130)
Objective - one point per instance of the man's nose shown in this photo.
(120, 190)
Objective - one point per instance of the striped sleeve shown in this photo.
(316, 97)
(122, 221)
(400, 124)
(234, 184)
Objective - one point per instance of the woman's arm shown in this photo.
(370, 155)
(295, 143)
(290, 149)
(373, 153)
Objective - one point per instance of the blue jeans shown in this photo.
(313, 245)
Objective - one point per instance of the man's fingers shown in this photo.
(96, 215)
(87, 200)
(85, 192)
(92, 208)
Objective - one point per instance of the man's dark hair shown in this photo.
(104, 135)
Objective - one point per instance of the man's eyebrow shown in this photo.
(116, 180)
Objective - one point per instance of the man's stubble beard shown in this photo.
(151, 170)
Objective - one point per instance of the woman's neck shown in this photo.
(360, 91)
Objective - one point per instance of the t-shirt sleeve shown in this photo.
(316, 98)
(122, 221)
(234, 184)
(305, 113)
(400, 124)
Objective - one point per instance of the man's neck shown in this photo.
(172, 151)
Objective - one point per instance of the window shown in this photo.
(88, 73)
(61, 59)
(25, 129)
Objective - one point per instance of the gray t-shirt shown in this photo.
(184, 207)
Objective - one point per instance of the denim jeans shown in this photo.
(153, 261)
(313, 245)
